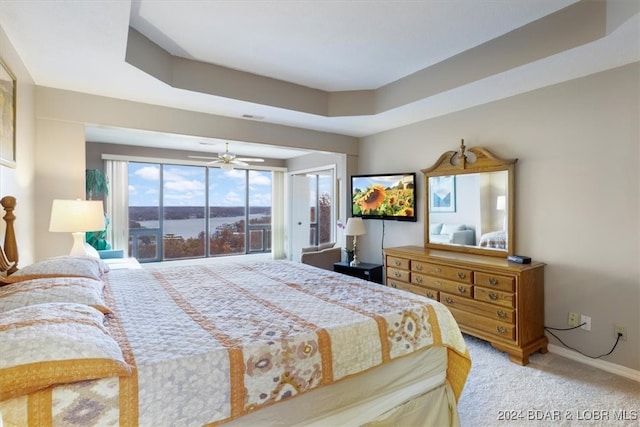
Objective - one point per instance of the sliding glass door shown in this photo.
(312, 209)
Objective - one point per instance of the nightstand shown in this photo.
(364, 270)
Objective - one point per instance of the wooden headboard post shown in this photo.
(10, 244)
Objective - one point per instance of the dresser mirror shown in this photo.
(470, 203)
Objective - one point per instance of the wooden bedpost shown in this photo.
(10, 244)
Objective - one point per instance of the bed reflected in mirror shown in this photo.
(469, 210)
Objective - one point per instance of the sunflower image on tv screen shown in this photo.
(384, 195)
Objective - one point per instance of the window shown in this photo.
(260, 183)
(183, 211)
(178, 211)
(228, 211)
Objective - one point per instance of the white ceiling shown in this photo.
(328, 45)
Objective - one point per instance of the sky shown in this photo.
(185, 186)
(364, 182)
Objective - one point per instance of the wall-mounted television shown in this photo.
(384, 196)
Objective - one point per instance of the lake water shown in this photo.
(191, 227)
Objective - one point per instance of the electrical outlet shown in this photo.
(621, 329)
(585, 321)
(574, 319)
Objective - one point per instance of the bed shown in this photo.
(235, 343)
(494, 240)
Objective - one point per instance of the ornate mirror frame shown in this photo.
(476, 160)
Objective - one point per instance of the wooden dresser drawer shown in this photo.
(401, 263)
(495, 281)
(442, 284)
(496, 297)
(419, 290)
(491, 298)
(493, 327)
(395, 283)
(397, 274)
(447, 272)
(477, 307)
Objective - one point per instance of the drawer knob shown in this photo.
(430, 294)
(501, 314)
(449, 300)
(462, 289)
(397, 274)
(501, 330)
(418, 267)
(438, 282)
(493, 296)
(398, 263)
(461, 275)
(438, 270)
(418, 279)
(493, 281)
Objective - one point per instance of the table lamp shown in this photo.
(77, 217)
(355, 227)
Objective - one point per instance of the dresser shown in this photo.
(491, 298)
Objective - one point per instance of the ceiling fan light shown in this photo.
(226, 166)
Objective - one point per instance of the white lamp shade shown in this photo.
(355, 227)
(76, 216)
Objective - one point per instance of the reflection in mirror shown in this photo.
(469, 209)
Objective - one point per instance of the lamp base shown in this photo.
(355, 262)
(81, 247)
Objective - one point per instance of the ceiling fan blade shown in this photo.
(238, 162)
(249, 159)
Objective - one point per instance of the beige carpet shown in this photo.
(550, 391)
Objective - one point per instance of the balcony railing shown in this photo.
(147, 244)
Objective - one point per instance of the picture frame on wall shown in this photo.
(7, 116)
(442, 193)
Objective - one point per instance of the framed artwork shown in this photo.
(7, 116)
(442, 193)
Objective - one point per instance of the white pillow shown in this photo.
(91, 251)
(79, 290)
(449, 229)
(435, 229)
(61, 266)
(55, 343)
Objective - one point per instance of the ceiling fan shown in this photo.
(227, 160)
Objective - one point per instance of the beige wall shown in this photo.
(60, 143)
(95, 150)
(19, 181)
(577, 194)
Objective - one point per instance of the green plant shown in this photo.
(96, 182)
(98, 239)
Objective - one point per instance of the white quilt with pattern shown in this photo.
(210, 343)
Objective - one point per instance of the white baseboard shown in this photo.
(623, 371)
